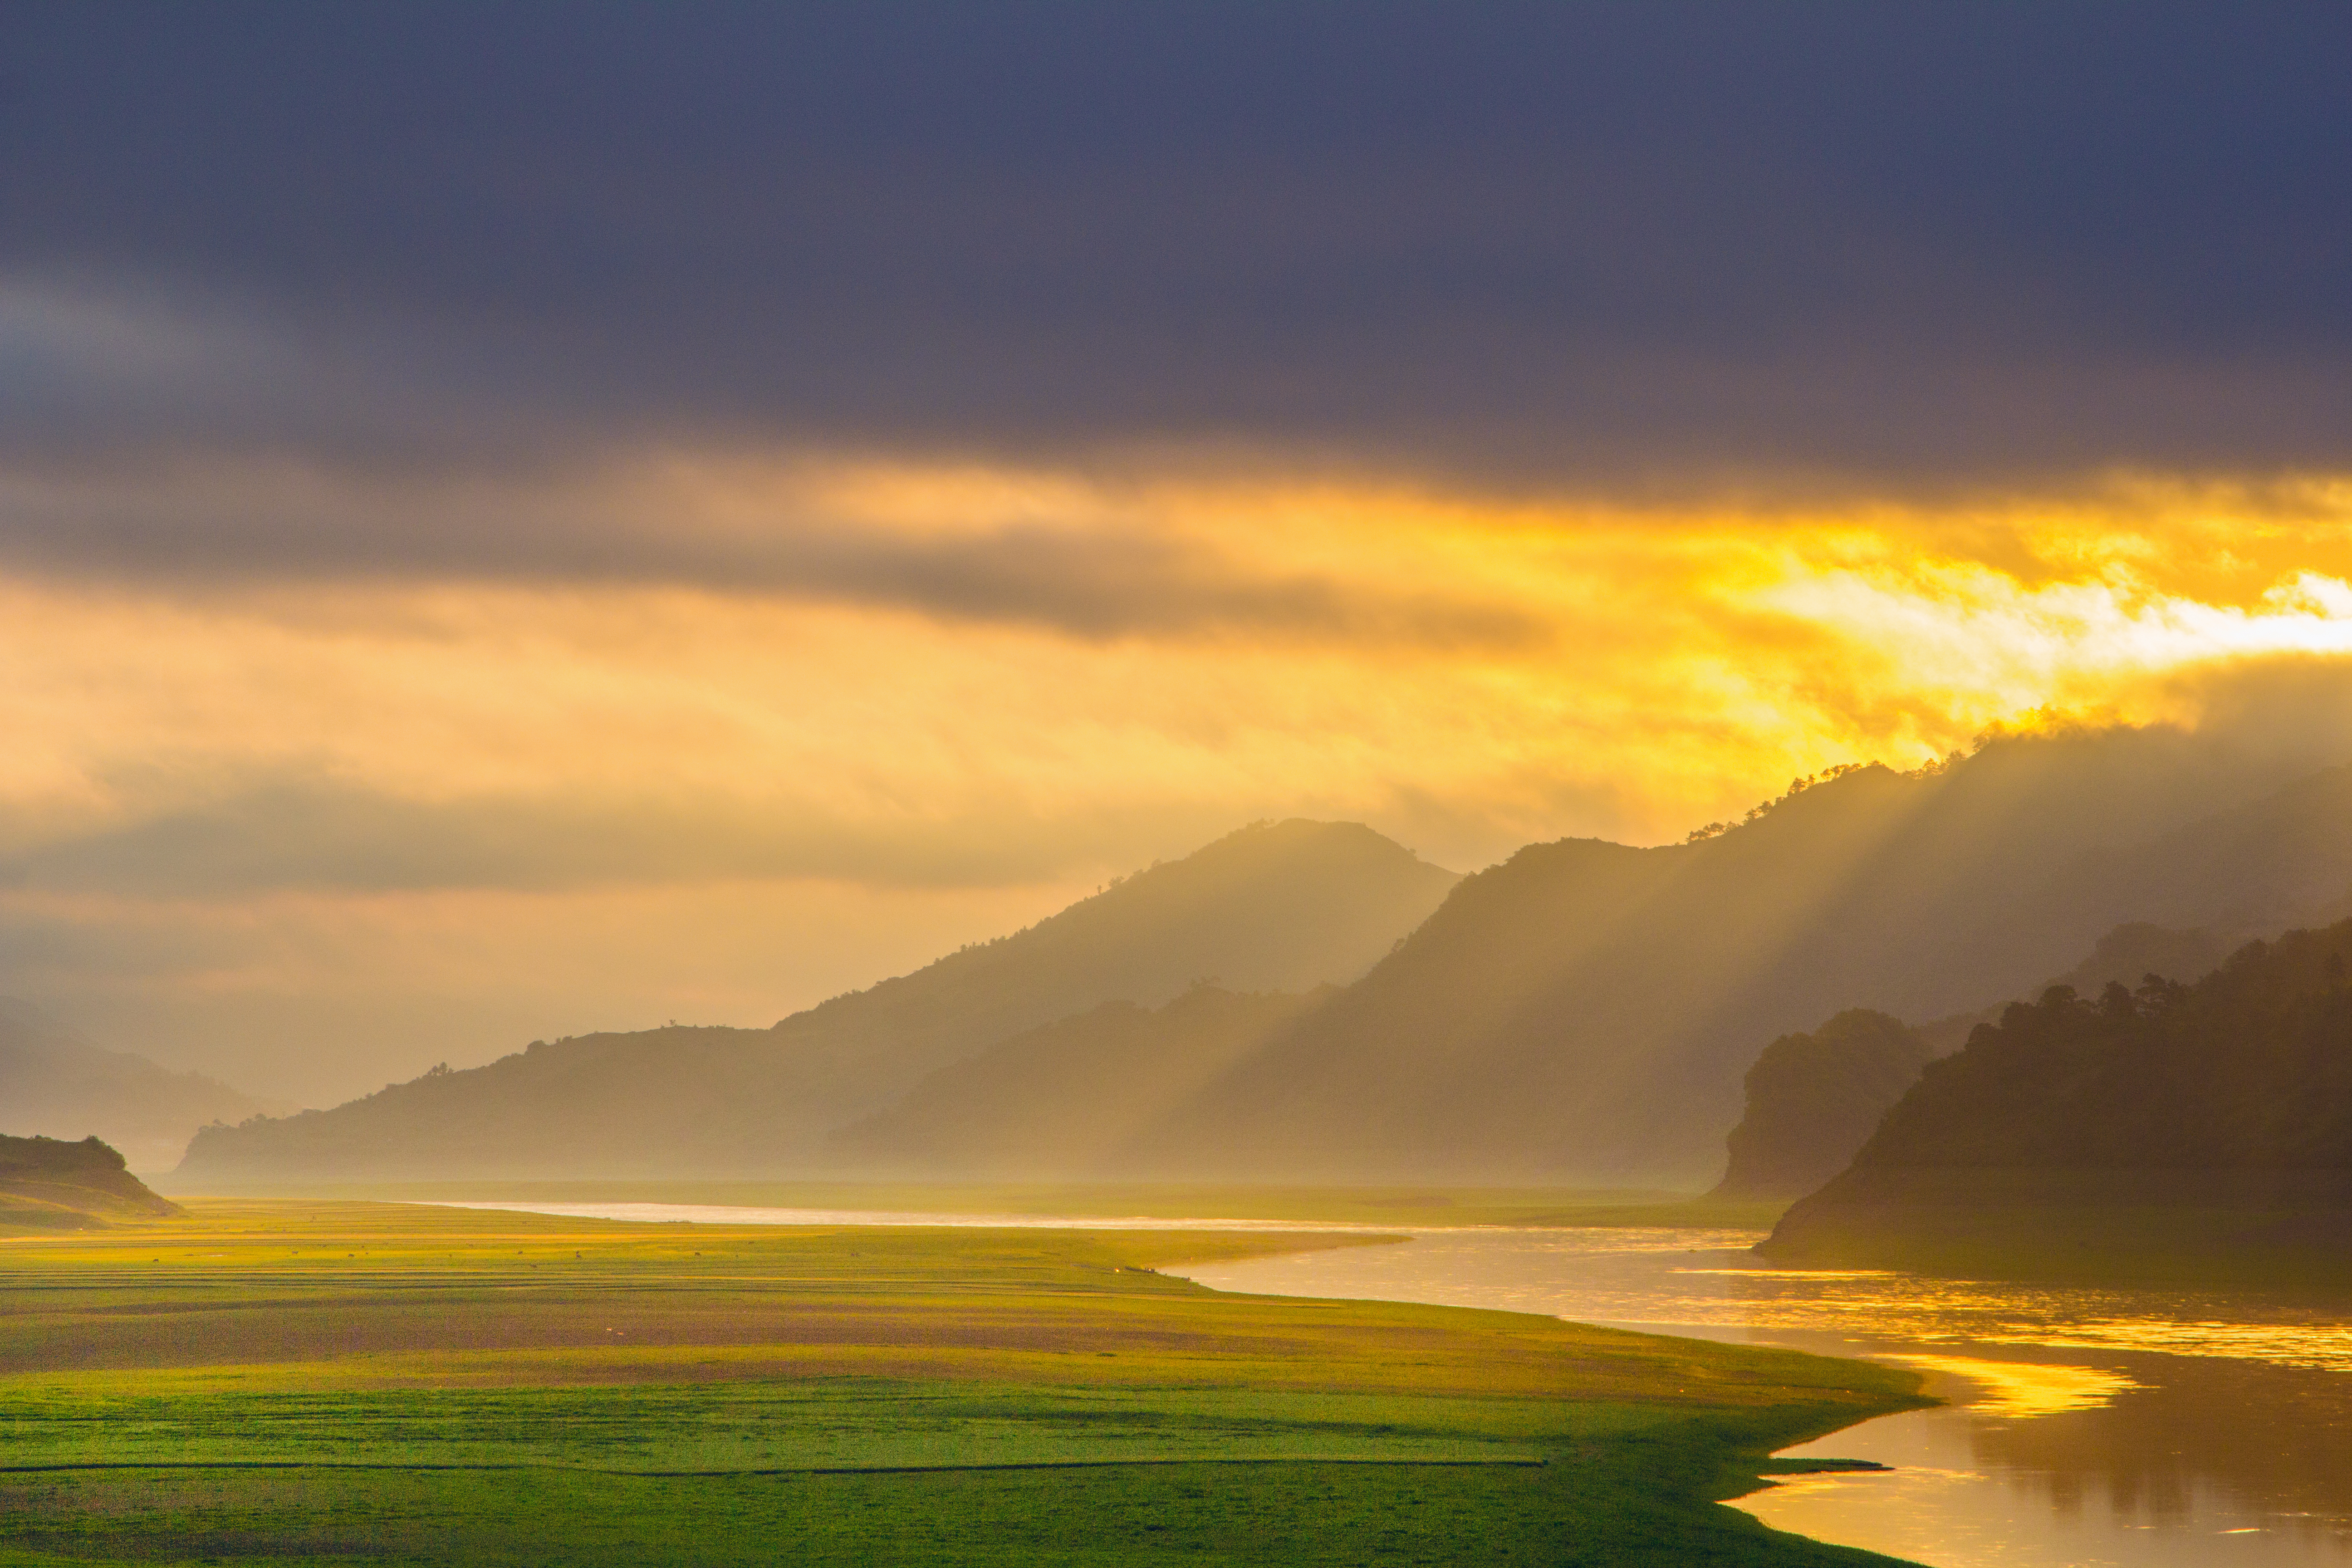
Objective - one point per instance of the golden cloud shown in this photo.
(979, 678)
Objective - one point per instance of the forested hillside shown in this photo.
(2233, 1093)
(48, 1183)
(1814, 1098)
(2250, 1067)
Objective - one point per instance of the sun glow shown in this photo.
(1472, 671)
(821, 677)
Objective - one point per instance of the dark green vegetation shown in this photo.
(1279, 907)
(1813, 1099)
(54, 1082)
(47, 1185)
(266, 1383)
(2167, 1131)
(1077, 1098)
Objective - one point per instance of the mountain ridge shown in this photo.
(1064, 1100)
(1275, 906)
(1581, 1013)
(1585, 1011)
(54, 1080)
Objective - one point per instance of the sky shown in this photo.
(523, 519)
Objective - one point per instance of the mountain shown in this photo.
(2139, 1119)
(1586, 1010)
(54, 1081)
(47, 1185)
(1274, 907)
(1814, 1098)
(1067, 1099)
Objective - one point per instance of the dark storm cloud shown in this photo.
(198, 529)
(1570, 244)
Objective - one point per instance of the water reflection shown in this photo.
(2131, 1428)
(2025, 1388)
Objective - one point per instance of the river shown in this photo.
(2084, 1428)
(2138, 1428)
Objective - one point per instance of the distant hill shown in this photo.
(54, 1081)
(1068, 1099)
(1275, 907)
(2088, 1116)
(1583, 1013)
(1586, 1010)
(1814, 1098)
(48, 1184)
(2127, 955)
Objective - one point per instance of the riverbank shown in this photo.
(2157, 1426)
(2211, 1230)
(266, 1380)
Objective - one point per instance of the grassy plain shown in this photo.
(310, 1383)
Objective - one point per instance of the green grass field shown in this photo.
(295, 1383)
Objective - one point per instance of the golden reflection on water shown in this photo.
(2317, 1347)
(2138, 1428)
(1707, 1280)
(2026, 1388)
(1888, 1306)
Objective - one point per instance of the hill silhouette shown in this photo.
(48, 1184)
(2234, 1092)
(1586, 1010)
(54, 1080)
(1274, 907)
(1082, 1097)
(1068, 1099)
(1814, 1098)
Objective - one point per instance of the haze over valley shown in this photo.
(1312, 1002)
(975, 786)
